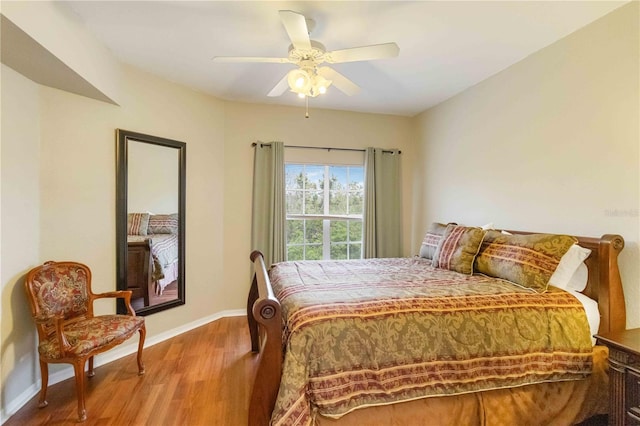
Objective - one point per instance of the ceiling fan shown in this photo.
(310, 79)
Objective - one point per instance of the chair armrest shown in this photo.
(124, 294)
(43, 318)
(117, 294)
(58, 322)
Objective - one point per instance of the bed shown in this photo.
(566, 383)
(152, 254)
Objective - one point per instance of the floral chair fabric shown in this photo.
(61, 301)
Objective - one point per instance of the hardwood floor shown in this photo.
(202, 377)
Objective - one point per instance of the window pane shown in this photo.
(315, 177)
(294, 176)
(295, 253)
(338, 229)
(305, 195)
(355, 230)
(313, 232)
(356, 178)
(295, 232)
(337, 202)
(338, 251)
(314, 252)
(356, 200)
(294, 202)
(355, 251)
(314, 203)
(337, 177)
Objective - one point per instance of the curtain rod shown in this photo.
(326, 147)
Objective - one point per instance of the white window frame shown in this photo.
(326, 217)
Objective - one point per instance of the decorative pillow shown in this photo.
(137, 223)
(569, 264)
(526, 260)
(432, 239)
(163, 224)
(458, 248)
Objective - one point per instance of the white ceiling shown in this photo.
(445, 46)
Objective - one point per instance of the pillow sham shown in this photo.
(432, 239)
(163, 224)
(525, 260)
(568, 265)
(458, 248)
(137, 223)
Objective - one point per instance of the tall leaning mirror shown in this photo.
(150, 221)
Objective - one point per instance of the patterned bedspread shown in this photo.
(370, 332)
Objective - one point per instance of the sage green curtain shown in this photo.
(268, 212)
(382, 211)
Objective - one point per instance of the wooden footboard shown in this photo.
(265, 326)
(139, 266)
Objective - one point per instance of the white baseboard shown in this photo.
(11, 407)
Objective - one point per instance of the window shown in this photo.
(324, 211)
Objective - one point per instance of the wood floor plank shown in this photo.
(202, 377)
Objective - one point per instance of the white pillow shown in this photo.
(487, 226)
(568, 266)
(578, 281)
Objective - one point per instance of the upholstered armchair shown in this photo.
(61, 301)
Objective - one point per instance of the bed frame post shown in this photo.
(611, 296)
(253, 324)
(265, 323)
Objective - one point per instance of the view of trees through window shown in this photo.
(324, 211)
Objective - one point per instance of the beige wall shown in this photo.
(247, 123)
(63, 207)
(78, 141)
(549, 144)
(20, 230)
(152, 178)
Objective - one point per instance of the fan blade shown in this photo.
(296, 27)
(340, 81)
(234, 59)
(363, 53)
(280, 88)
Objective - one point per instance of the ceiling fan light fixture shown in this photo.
(321, 84)
(299, 80)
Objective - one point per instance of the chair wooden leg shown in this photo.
(143, 333)
(44, 372)
(91, 372)
(78, 366)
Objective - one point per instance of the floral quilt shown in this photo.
(371, 332)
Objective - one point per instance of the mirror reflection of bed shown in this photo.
(152, 224)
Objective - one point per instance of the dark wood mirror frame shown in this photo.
(123, 137)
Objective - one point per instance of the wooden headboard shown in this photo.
(604, 284)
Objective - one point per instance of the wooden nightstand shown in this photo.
(624, 376)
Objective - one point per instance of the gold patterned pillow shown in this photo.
(458, 248)
(137, 223)
(432, 239)
(163, 224)
(526, 260)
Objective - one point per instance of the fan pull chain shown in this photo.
(306, 101)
